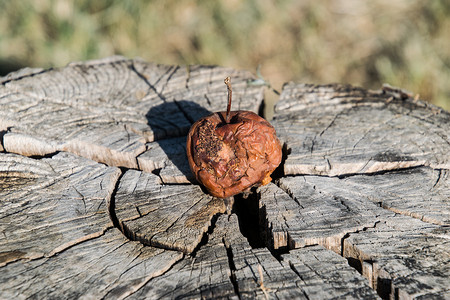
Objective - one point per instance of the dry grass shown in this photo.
(405, 42)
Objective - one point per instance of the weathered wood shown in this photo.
(403, 256)
(168, 157)
(297, 215)
(298, 275)
(49, 205)
(255, 273)
(109, 266)
(206, 275)
(168, 216)
(57, 238)
(107, 110)
(384, 241)
(421, 193)
(339, 130)
(324, 273)
(382, 219)
(364, 188)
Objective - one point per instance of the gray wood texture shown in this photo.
(167, 216)
(338, 130)
(98, 202)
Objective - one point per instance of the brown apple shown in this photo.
(230, 152)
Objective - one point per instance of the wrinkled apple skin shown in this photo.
(231, 158)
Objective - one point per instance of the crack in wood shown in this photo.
(291, 265)
(78, 241)
(171, 71)
(157, 172)
(248, 213)
(232, 267)
(185, 114)
(207, 99)
(253, 213)
(147, 280)
(290, 193)
(58, 250)
(347, 235)
(145, 79)
(381, 266)
(2, 134)
(111, 204)
(34, 72)
(331, 123)
(438, 178)
(279, 171)
(188, 77)
(206, 235)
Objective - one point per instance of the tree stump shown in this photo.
(97, 199)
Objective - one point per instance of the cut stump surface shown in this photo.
(97, 199)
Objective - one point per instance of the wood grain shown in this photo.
(298, 215)
(167, 216)
(107, 110)
(50, 205)
(97, 199)
(415, 265)
(227, 267)
(337, 130)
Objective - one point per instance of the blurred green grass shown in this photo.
(405, 43)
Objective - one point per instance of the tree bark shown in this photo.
(97, 199)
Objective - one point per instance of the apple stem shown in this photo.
(228, 83)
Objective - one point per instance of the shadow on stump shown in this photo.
(170, 123)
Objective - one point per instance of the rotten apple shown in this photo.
(230, 152)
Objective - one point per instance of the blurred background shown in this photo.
(405, 43)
